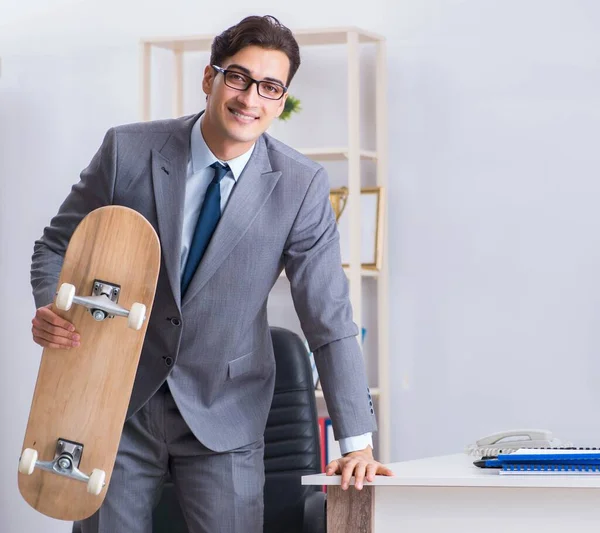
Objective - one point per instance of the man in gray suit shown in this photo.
(232, 207)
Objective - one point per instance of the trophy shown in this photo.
(338, 198)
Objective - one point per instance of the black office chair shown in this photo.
(292, 450)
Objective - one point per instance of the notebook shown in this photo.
(573, 469)
(550, 461)
(549, 455)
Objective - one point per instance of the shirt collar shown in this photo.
(202, 157)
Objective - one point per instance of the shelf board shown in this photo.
(375, 392)
(335, 154)
(334, 36)
(365, 273)
(192, 43)
(202, 43)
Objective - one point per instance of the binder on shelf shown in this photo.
(322, 444)
(331, 445)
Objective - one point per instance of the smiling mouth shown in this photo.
(241, 115)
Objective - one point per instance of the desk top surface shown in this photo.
(458, 471)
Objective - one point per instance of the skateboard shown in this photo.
(106, 290)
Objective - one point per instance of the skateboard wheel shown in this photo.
(136, 316)
(96, 481)
(64, 298)
(27, 461)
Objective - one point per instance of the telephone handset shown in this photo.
(510, 441)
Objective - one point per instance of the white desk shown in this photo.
(449, 495)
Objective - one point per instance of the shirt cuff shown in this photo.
(352, 444)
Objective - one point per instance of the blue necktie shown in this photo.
(210, 213)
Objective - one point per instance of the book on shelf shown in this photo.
(322, 432)
(330, 448)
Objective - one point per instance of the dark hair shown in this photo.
(266, 32)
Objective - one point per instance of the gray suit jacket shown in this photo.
(214, 345)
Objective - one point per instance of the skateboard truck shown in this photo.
(65, 463)
(111, 292)
(102, 303)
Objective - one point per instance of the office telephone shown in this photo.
(512, 440)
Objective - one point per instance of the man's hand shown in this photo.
(357, 464)
(51, 331)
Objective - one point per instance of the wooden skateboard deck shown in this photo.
(82, 394)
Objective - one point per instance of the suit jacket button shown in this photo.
(168, 361)
(176, 322)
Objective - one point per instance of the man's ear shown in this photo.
(208, 79)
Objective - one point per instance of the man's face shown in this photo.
(235, 116)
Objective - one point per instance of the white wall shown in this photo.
(494, 115)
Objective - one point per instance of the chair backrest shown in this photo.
(292, 446)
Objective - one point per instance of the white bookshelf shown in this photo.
(351, 153)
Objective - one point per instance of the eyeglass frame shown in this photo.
(224, 71)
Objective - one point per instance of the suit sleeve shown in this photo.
(320, 293)
(94, 189)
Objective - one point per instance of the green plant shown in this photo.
(292, 105)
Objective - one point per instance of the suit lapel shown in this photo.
(252, 190)
(169, 173)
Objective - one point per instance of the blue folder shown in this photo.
(545, 461)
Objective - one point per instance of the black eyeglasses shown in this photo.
(239, 81)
